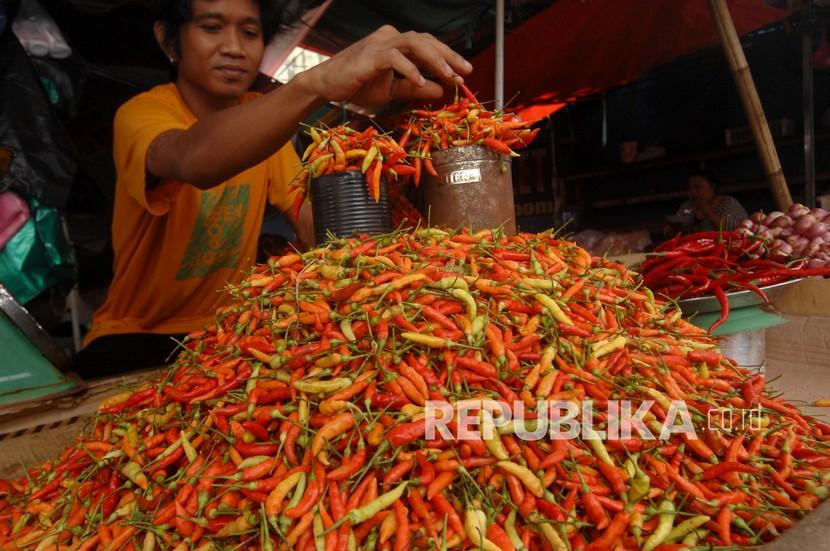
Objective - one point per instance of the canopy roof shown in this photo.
(575, 47)
(555, 51)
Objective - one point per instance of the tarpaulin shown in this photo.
(578, 47)
(37, 256)
(42, 164)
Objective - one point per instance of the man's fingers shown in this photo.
(404, 66)
(455, 60)
(430, 54)
(404, 90)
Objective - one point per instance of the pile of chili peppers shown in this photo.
(296, 420)
(342, 149)
(716, 263)
(463, 122)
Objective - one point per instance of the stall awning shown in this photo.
(575, 48)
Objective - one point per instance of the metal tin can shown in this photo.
(748, 349)
(341, 204)
(474, 188)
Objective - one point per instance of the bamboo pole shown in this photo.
(751, 103)
(808, 103)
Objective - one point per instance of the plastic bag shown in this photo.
(42, 165)
(38, 256)
(587, 239)
(614, 243)
(13, 214)
(620, 243)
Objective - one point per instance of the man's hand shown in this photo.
(365, 72)
(304, 226)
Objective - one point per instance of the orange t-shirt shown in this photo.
(176, 246)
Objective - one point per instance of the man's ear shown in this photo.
(161, 37)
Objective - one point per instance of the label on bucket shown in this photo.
(466, 176)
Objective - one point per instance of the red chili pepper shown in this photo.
(615, 477)
(405, 433)
(398, 471)
(250, 450)
(717, 471)
(307, 502)
(614, 531)
(444, 508)
(427, 470)
(594, 510)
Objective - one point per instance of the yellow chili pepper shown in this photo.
(553, 308)
(133, 471)
(548, 532)
(491, 436)
(322, 387)
(664, 526)
(611, 346)
(687, 526)
(475, 525)
(467, 299)
(427, 340)
(524, 474)
(370, 156)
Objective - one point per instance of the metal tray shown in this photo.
(737, 299)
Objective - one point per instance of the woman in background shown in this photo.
(706, 210)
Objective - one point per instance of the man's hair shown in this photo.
(274, 15)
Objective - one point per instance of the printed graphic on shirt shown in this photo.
(216, 239)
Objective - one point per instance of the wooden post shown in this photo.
(808, 96)
(752, 104)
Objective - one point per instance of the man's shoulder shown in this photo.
(163, 97)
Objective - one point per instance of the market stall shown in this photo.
(452, 382)
(439, 388)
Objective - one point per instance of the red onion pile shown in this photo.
(801, 233)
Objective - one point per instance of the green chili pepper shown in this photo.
(599, 448)
(21, 522)
(478, 326)
(468, 300)
(688, 525)
(536, 265)
(346, 329)
(319, 537)
(514, 425)
(134, 472)
(510, 529)
(640, 482)
(821, 492)
(553, 308)
(252, 461)
(362, 514)
(299, 491)
(189, 450)
(637, 527)
(321, 387)
(450, 282)
(694, 536)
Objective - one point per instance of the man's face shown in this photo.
(221, 47)
(700, 189)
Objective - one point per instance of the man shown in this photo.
(197, 160)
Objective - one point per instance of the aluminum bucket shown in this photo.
(341, 204)
(748, 349)
(474, 188)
